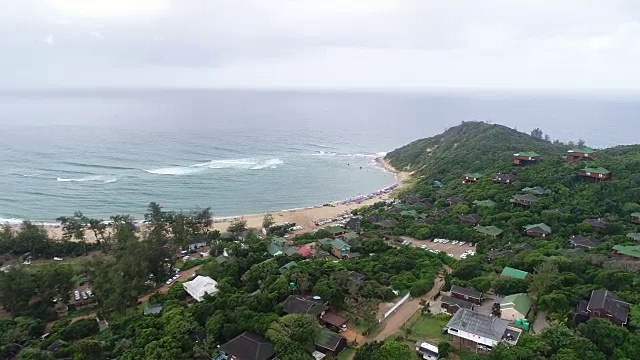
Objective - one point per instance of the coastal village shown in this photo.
(437, 309)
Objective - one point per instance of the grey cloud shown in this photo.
(292, 43)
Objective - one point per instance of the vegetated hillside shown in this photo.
(567, 201)
(469, 147)
(561, 277)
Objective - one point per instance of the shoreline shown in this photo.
(303, 216)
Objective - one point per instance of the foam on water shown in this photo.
(102, 178)
(177, 170)
(358, 155)
(271, 164)
(242, 164)
(11, 221)
(17, 222)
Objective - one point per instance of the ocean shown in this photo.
(241, 152)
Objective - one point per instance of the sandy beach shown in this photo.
(304, 217)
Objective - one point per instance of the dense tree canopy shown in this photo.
(136, 259)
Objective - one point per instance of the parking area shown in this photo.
(487, 304)
(175, 277)
(452, 247)
(82, 296)
(435, 306)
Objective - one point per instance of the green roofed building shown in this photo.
(330, 343)
(524, 200)
(629, 252)
(598, 173)
(289, 251)
(489, 230)
(334, 230)
(274, 249)
(471, 177)
(536, 190)
(338, 248)
(532, 154)
(539, 230)
(634, 236)
(286, 267)
(515, 273)
(279, 241)
(580, 154)
(411, 213)
(525, 158)
(584, 150)
(484, 203)
(350, 236)
(515, 306)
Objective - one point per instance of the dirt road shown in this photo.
(164, 288)
(397, 319)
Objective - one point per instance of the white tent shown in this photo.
(199, 286)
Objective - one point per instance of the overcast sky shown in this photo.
(520, 44)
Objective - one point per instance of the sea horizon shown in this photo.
(108, 152)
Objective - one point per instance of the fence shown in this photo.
(394, 307)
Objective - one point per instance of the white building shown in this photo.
(199, 286)
(427, 351)
(475, 331)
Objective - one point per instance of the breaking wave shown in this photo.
(12, 221)
(101, 178)
(242, 164)
(331, 153)
(178, 170)
(98, 166)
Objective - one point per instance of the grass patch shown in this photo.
(373, 332)
(428, 327)
(346, 353)
(415, 355)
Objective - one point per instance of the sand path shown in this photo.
(398, 318)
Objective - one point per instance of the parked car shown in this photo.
(455, 242)
(57, 258)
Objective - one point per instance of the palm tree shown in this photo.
(98, 227)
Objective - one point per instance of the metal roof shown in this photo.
(490, 327)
